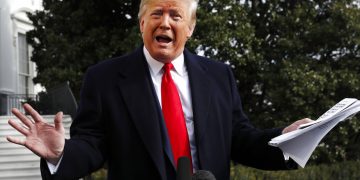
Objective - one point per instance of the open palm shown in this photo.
(45, 140)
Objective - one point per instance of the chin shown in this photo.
(163, 55)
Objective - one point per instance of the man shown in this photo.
(126, 109)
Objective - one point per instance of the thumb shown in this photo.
(58, 122)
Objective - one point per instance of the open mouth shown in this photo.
(163, 39)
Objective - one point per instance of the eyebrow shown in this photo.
(157, 10)
(173, 9)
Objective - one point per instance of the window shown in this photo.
(24, 64)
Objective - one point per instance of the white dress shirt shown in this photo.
(181, 79)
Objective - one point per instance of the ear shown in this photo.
(190, 30)
(141, 22)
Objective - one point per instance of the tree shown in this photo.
(292, 59)
(71, 35)
(312, 53)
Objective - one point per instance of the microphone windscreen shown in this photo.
(183, 169)
(203, 175)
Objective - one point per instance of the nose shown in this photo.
(165, 22)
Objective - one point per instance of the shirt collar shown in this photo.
(156, 66)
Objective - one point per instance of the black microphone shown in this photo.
(203, 175)
(183, 169)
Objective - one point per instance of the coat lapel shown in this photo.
(137, 91)
(200, 93)
(143, 107)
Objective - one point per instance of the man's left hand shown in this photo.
(294, 126)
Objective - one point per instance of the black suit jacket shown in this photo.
(119, 121)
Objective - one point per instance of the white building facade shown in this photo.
(16, 69)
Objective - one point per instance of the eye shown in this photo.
(156, 14)
(176, 16)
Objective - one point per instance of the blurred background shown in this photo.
(291, 58)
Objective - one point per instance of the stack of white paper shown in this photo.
(300, 144)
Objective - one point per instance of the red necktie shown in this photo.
(174, 116)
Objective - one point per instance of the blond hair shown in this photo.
(192, 8)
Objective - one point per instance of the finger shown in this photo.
(307, 120)
(16, 140)
(34, 114)
(23, 130)
(58, 122)
(304, 121)
(22, 117)
(292, 127)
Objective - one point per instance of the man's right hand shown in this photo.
(45, 140)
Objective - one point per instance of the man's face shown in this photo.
(166, 26)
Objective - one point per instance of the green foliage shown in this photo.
(341, 170)
(71, 35)
(292, 59)
(100, 174)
